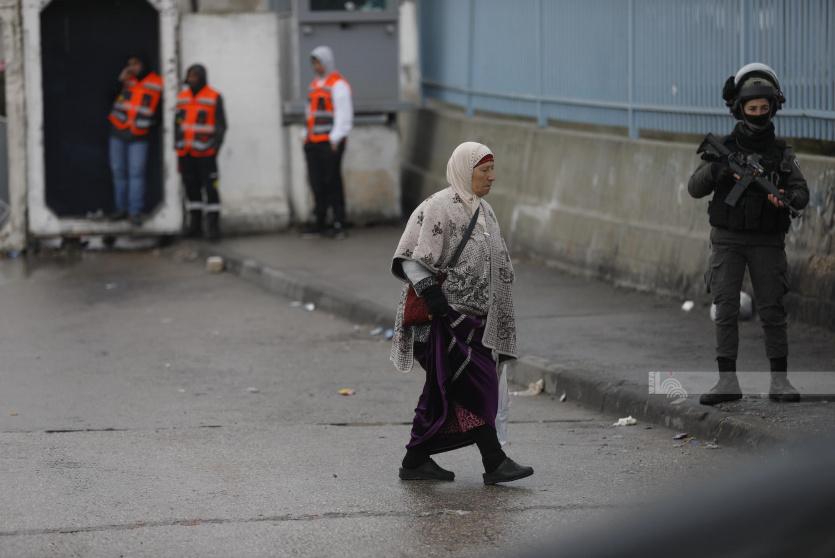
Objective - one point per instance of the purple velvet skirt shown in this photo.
(461, 389)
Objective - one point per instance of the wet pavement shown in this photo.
(149, 408)
(606, 332)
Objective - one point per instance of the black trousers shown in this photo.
(200, 178)
(768, 269)
(324, 171)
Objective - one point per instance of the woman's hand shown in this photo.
(435, 300)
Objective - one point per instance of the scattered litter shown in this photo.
(214, 264)
(681, 436)
(389, 333)
(688, 305)
(12, 254)
(457, 512)
(13, 414)
(310, 307)
(253, 390)
(356, 327)
(215, 333)
(296, 304)
(166, 320)
(346, 391)
(563, 397)
(534, 388)
(376, 331)
(712, 445)
(109, 286)
(647, 428)
(626, 421)
(181, 390)
(168, 365)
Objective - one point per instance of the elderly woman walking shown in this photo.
(456, 319)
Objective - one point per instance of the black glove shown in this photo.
(720, 172)
(435, 300)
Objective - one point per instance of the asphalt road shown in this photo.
(149, 408)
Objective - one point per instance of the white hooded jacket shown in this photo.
(343, 109)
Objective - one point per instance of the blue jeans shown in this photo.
(127, 161)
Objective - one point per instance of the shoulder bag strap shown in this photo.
(464, 240)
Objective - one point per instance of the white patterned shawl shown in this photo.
(480, 283)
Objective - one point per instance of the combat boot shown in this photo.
(213, 226)
(726, 389)
(781, 389)
(195, 224)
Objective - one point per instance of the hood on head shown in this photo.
(459, 170)
(200, 70)
(324, 55)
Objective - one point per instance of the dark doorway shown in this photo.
(85, 44)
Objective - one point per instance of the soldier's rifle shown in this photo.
(748, 168)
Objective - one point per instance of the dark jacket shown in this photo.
(754, 220)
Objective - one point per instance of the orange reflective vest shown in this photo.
(136, 105)
(196, 121)
(320, 108)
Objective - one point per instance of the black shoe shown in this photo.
(781, 389)
(508, 471)
(195, 224)
(213, 226)
(135, 220)
(312, 231)
(117, 216)
(726, 389)
(337, 231)
(428, 471)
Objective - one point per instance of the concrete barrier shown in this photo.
(612, 207)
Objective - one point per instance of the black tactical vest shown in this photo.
(753, 212)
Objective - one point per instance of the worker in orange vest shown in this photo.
(199, 129)
(329, 117)
(134, 115)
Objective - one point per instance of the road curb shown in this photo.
(622, 398)
(590, 388)
(299, 287)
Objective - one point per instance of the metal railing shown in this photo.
(637, 64)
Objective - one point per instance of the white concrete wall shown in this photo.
(13, 231)
(409, 52)
(370, 172)
(241, 54)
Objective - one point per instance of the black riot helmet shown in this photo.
(752, 81)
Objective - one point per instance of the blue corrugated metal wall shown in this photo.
(640, 64)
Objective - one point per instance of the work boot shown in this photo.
(781, 389)
(508, 471)
(213, 226)
(195, 224)
(726, 389)
(429, 470)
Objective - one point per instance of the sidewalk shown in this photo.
(588, 339)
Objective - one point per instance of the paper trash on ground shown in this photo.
(534, 388)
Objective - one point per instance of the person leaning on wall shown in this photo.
(751, 233)
(329, 116)
(199, 129)
(134, 114)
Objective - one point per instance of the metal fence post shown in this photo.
(630, 78)
(742, 26)
(540, 67)
(470, 56)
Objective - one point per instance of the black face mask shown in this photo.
(759, 122)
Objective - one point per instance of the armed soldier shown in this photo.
(749, 225)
